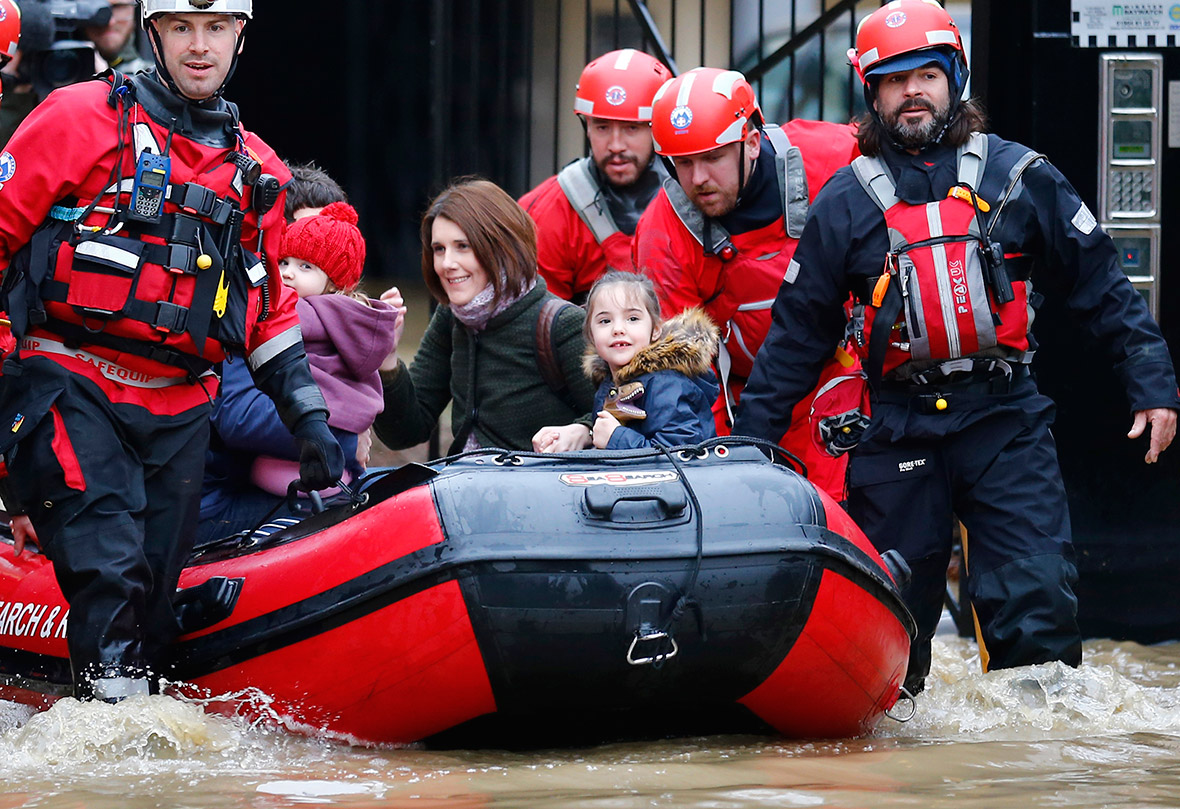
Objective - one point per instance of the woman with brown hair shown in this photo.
(481, 351)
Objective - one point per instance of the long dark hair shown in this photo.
(970, 117)
(502, 236)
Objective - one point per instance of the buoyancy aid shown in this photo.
(174, 288)
(580, 186)
(755, 262)
(944, 298)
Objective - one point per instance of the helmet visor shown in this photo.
(911, 61)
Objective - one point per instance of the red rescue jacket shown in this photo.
(738, 293)
(89, 277)
(570, 256)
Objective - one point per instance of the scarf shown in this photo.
(476, 313)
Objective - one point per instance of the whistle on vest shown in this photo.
(992, 256)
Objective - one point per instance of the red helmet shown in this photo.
(701, 110)
(619, 86)
(9, 30)
(908, 34)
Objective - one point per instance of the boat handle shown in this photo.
(907, 697)
(650, 636)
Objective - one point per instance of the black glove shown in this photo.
(321, 462)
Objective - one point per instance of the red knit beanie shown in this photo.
(331, 241)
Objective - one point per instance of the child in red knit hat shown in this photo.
(347, 336)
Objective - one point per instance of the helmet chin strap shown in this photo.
(162, 69)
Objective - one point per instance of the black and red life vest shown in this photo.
(943, 295)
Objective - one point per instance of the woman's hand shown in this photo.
(561, 439)
(22, 532)
(393, 297)
(604, 427)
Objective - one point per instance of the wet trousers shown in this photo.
(112, 490)
(996, 470)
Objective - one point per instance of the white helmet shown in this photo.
(150, 8)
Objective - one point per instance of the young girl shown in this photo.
(347, 336)
(655, 385)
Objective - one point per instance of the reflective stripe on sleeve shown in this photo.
(274, 346)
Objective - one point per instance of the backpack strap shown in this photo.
(874, 177)
(708, 232)
(546, 346)
(788, 160)
(581, 188)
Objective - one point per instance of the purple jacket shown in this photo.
(346, 342)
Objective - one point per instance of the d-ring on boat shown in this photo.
(531, 599)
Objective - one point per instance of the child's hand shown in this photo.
(364, 446)
(604, 427)
(393, 297)
(561, 439)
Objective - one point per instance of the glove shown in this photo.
(321, 462)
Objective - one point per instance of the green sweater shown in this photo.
(491, 376)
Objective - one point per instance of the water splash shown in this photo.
(1049, 700)
(150, 727)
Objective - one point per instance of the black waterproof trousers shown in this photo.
(113, 491)
(990, 461)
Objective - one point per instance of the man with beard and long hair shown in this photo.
(939, 233)
(587, 212)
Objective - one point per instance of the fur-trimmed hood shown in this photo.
(687, 343)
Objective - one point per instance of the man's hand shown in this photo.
(22, 532)
(321, 462)
(1163, 430)
(567, 438)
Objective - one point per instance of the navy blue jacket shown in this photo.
(844, 244)
(246, 425)
(678, 391)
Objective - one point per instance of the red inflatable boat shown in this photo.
(530, 600)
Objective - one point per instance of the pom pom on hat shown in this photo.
(331, 241)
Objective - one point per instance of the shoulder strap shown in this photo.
(581, 189)
(876, 180)
(702, 228)
(1013, 180)
(547, 362)
(973, 160)
(788, 159)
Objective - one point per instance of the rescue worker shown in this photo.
(721, 233)
(964, 224)
(586, 214)
(117, 42)
(139, 230)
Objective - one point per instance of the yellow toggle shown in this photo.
(843, 357)
(204, 261)
(222, 299)
(879, 290)
(959, 192)
(940, 404)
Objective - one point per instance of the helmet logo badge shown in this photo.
(615, 95)
(681, 117)
(7, 167)
(200, 4)
(896, 19)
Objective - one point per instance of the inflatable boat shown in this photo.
(521, 599)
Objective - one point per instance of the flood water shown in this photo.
(1107, 734)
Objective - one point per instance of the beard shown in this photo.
(917, 134)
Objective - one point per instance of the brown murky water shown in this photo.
(1107, 734)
